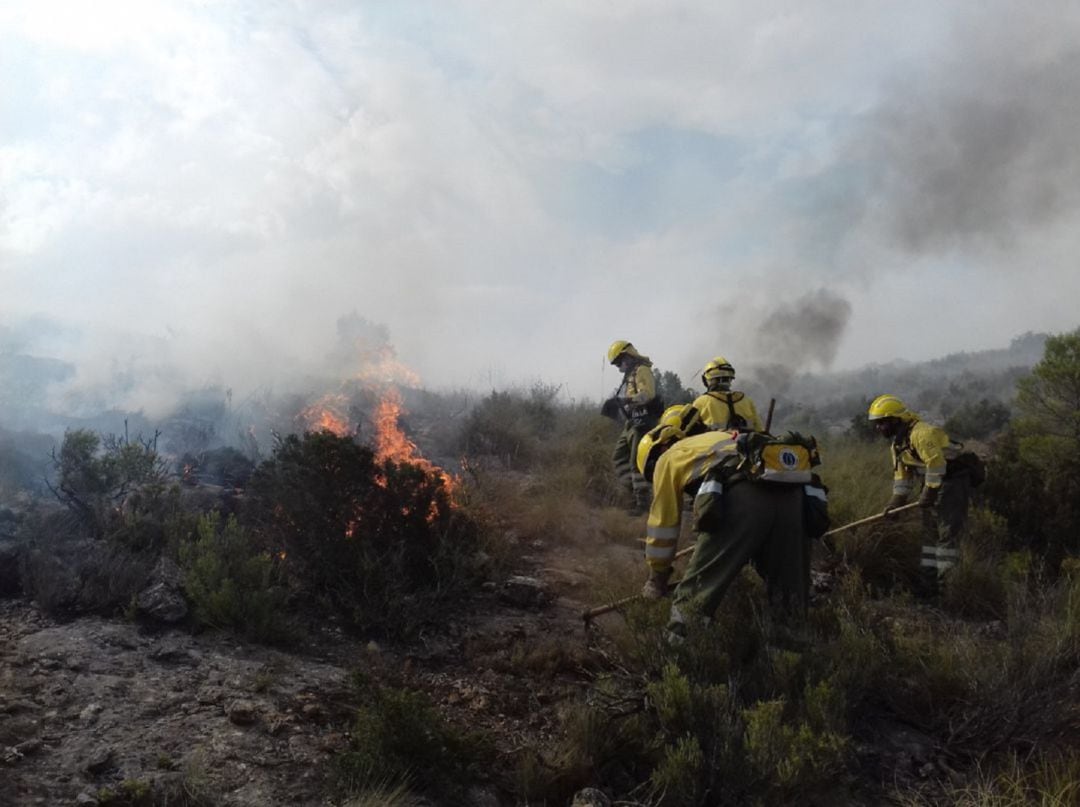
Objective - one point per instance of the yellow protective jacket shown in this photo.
(923, 450)
(685, 463)
(639, 385)
(717, 414)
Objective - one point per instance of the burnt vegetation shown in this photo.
(877, 698)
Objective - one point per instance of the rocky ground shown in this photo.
(88, 704)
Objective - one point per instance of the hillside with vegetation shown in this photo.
(382, 605)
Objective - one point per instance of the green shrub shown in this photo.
(65, 574)
(96, 476)
(679, 776)
(790, 756)
(129, 793)
(511, 425)
(233, 583)
(398, 738)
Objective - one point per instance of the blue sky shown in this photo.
(510, 186)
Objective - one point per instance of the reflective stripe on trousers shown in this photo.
(941, 558)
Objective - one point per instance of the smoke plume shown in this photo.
(979, 148)
(802, 332)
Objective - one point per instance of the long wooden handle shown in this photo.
(768, 417)
(600, 610)
(870, 519)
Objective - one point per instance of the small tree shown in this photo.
(1048, 403)
(977, 420)
(96, 475)
(1034, 479)
(672, 389)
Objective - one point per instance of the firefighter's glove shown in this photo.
(656, 586)
(928, 497)
(896, 501)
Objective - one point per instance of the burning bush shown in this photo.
(376, 539)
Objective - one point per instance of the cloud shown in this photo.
(507, 187)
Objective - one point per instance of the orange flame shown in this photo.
(392, 444)
(325, 415)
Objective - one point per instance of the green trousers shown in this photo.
(624, 458)
(753, 522)
(943, 526)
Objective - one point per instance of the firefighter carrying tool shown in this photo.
(638, 404)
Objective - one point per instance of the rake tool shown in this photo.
(600, 610)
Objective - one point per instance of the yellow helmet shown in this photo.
(889, 406)
(718, 369)
(677, 422)
(618, 348)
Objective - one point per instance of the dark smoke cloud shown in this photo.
(980, 147)
(806, 331)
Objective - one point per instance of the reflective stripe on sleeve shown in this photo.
(711, 486)
(934, 478)
(901, 487)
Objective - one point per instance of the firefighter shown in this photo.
(638, 404)
(921, 450)
(720, 407)
(745, 511)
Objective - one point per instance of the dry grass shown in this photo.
(1046, 780)
(385, 796)
(859, 477)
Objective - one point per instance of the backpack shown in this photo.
(974, 465)
(788, 458)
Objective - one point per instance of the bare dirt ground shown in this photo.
(209, 719)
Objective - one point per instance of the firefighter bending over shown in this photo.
(720, 406)
(756, 500)
(920, 450)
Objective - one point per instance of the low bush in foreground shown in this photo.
(751, 710)
(232, 582)
(399, 741)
